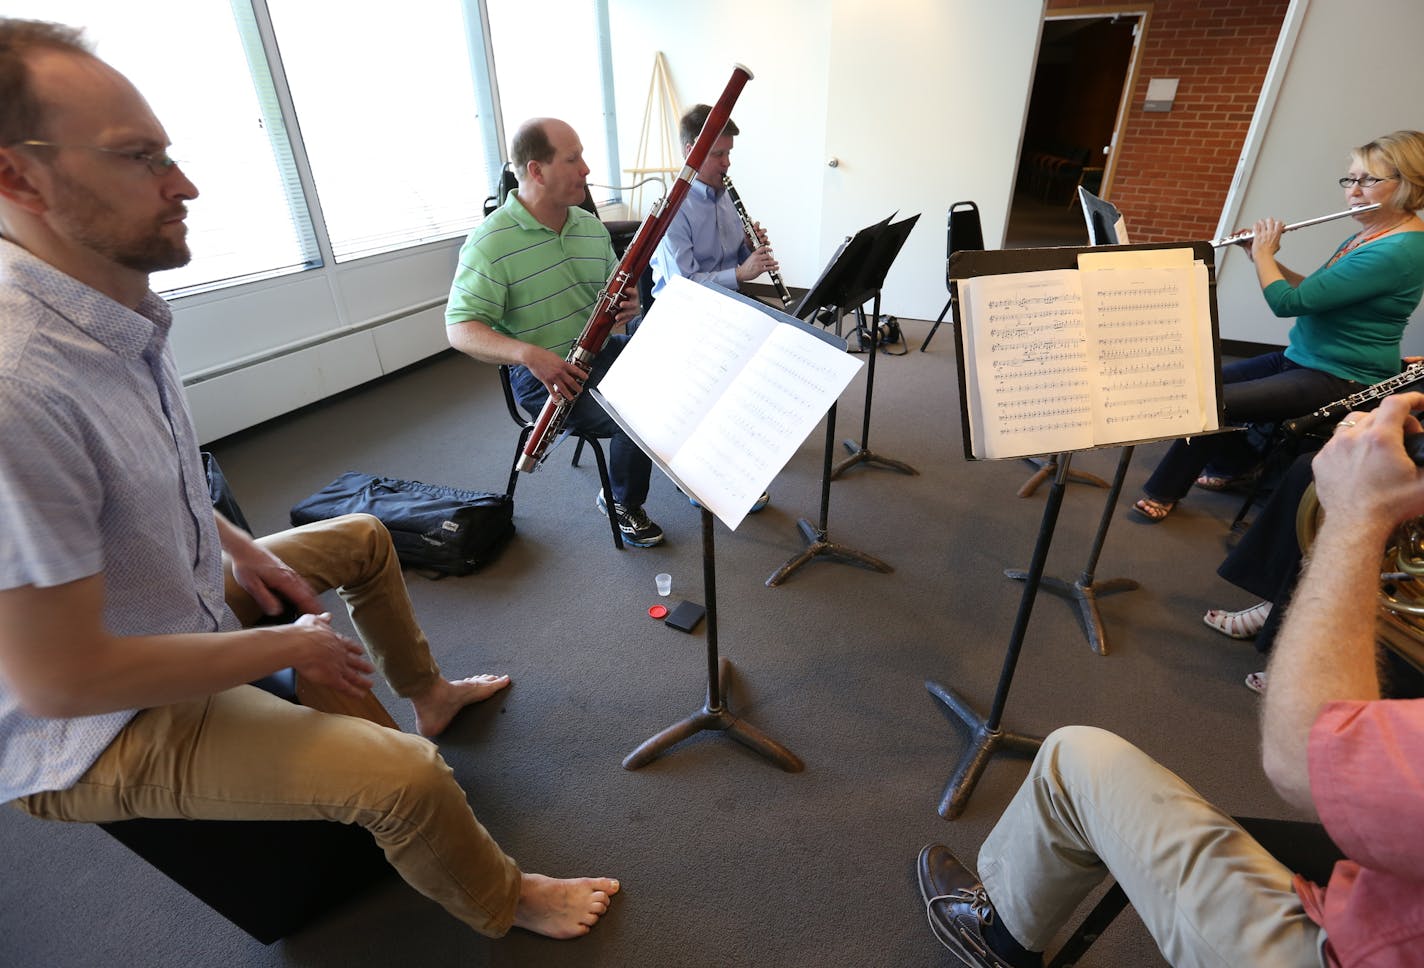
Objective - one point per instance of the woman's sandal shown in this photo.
(1152, 509)
(1256, 682)
(1243, 624)
(1209, 481)
(1215, 482)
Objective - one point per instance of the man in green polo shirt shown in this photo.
(526, 283)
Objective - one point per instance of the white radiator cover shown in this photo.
(257, 351)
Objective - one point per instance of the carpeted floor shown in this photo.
(724, 859)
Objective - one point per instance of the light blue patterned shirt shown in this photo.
(99, 472)
(705, 241)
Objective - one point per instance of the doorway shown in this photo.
(1081, 86)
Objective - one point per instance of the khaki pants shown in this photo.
(1094, 804)
(246, 755)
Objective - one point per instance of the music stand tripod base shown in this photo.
(859, 455)
(714, 714)
(1086, 595)
(818, 547)
(1086, 589)
(717, 718)
(1046, 468)
(984, 742)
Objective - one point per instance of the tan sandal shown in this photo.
(1243, 624)
(1152, 509)
(1214, 482)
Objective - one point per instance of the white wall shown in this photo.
(922, 101)
(253, 352)
(1339, 86)
(777, 162)
(928, 100)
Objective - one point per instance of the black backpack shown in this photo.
(435, 528)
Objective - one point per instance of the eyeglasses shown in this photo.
(158, 162)
(1364, 181)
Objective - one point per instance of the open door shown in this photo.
(1081, 88)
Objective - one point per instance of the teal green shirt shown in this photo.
(1351, 316)
(527, 281)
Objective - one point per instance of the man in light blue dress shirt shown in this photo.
(706, 241)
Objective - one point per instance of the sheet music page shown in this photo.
(755, 427)
(1031, 372)
(1143, 327)
(689, 348)
(723, 393)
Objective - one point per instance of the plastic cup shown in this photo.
(664, 582)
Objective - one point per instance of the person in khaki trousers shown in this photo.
(1093, 804)
(122, 666)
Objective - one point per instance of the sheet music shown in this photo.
(723, 392)
(1068, 359)
(1028, 343)
(1143, 325)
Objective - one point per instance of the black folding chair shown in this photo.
(526, 427)
(963, 232)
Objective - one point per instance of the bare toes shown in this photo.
(479, 688)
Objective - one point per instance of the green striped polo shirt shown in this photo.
(524, 280)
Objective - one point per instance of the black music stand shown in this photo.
(832, 289)
(865, 287)
(987, 735)
(1104, 223)
(1086, 589)
(715, 714)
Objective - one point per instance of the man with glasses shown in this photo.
(526, 283)
(122, 666)
(1094, 805)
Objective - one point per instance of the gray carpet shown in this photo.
(724, 859)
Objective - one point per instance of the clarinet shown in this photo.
(753, 239)
(624, 280)
(1333, 411)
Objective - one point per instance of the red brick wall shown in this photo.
(1175, 168)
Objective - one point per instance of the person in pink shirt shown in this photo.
(1209, 894)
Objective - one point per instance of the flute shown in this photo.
(1300, 425)
(624, 280)
(1245, 235)
(754, 240)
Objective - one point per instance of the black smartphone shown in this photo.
(685, 616)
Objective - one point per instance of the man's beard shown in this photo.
(93, 222)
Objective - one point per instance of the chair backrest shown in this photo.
(964, 231)
(515, 413)
(507, 184)
(588, 204)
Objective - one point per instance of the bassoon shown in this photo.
(753, 239)
(624, 280)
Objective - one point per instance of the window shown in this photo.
(551, 72)
(245, 223)
(319, 132)
(388, 112)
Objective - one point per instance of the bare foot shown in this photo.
(562, 907)
(435, 707)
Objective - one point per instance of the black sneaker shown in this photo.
(638, 529)
(957, 907)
